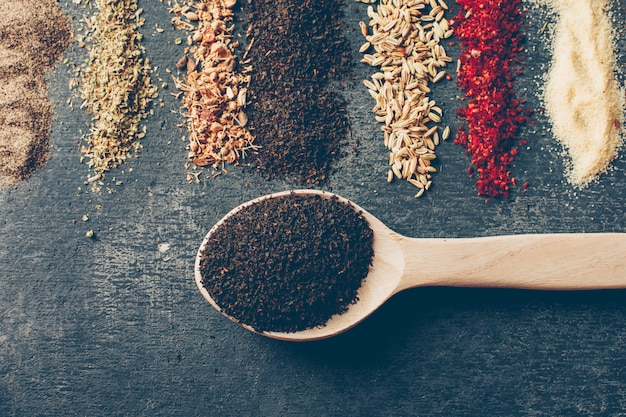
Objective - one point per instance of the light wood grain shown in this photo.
(525, 261)
(572, 261)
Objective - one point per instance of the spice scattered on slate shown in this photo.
(582, 77)
(115, 85)
(297, 51)
(405, 44)
(491, 46)
(33, 36)
(288, 263)
(214, 84)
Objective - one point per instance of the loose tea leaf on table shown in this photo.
(297, 50)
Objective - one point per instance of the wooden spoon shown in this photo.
(528, 261)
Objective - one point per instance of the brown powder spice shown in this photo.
(33, 36)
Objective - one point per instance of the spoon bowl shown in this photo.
(381, 282)
(529, 261)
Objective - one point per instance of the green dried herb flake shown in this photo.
(115, 84)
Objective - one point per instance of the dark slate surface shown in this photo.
(113, 326)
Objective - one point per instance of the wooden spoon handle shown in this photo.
(534, 261)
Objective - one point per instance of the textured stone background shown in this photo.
(113, 326)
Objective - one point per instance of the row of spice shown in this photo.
(407, 39)
(272, 102)
(290, 60)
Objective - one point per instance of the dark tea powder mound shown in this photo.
(296, 50)
(288, 263)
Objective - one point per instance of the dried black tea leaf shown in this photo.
(288, 263)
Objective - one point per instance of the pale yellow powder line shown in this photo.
(582, 95)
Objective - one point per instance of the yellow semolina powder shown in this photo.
(582, 95)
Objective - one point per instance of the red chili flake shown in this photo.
(491, 42)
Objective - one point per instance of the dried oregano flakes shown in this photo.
(114, 84)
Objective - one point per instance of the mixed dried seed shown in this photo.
(214, 88)
(33, 36)
(406, 40)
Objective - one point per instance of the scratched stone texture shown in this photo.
(114, 325)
